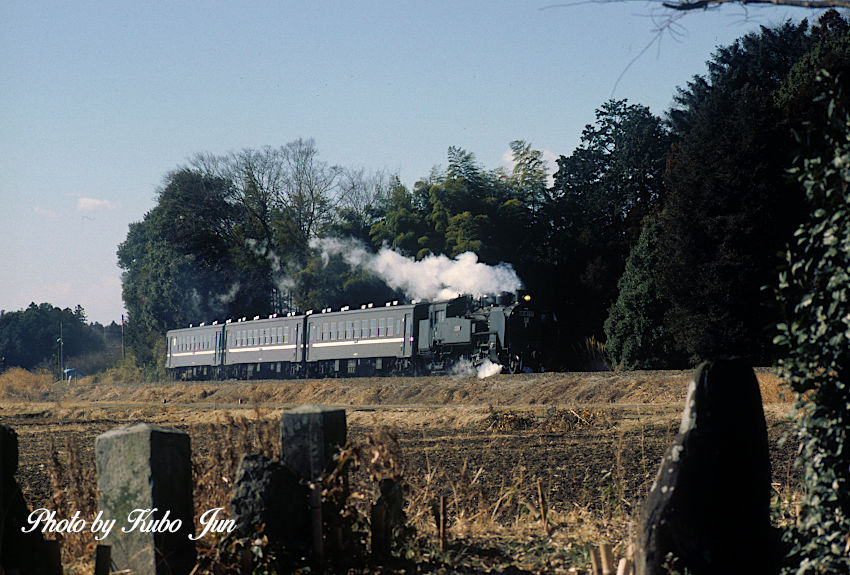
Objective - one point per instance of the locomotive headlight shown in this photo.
(527, 297)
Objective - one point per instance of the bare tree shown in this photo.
(309, 190)
(359, 190)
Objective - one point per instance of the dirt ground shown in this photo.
(591, 441)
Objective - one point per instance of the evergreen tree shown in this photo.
(730, 207)
(602, 192)
(636, 334)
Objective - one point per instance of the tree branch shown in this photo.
(702, 4)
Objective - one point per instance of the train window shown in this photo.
(382, 327)
(333, 330)
(373, 327)
(349, 330)
(355, 330)
(398, 327)
(286, 334)
(265, 336)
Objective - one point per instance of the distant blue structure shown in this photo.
(73, 373)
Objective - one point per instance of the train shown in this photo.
(414, 338)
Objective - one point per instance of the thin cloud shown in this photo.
(46, 213)
(92, 204)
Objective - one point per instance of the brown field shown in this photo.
(592, 441)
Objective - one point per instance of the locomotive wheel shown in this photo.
(515, 365)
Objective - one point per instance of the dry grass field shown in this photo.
(581, 447)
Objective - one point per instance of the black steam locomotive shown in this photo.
(416, 338)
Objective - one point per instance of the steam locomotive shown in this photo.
(396, 339)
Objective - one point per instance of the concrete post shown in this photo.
(144, 477)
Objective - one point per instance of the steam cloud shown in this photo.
(432, 278)
(465, 368)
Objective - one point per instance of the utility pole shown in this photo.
(123, 354)
(61, 352)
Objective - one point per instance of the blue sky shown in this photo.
(99, 100)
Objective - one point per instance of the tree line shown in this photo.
(44, 336)
(657, 236)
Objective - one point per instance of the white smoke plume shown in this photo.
(432, 278)
(488, 368)
(227, 298)
(465, 368)
(283, 281)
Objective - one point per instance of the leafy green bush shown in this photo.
(815, 291)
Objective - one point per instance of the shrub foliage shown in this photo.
(815, 290)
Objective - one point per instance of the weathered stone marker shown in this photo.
(709, 507)
(143, 467)
(20, 552)
(309, 436)
(267, 493)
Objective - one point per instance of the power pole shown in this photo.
(61, 352)
(123, 354)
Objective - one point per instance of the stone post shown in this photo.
(309, 436)
(708, 510)
(23, 553)
(144, 479)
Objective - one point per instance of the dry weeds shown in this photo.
(495, 513)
